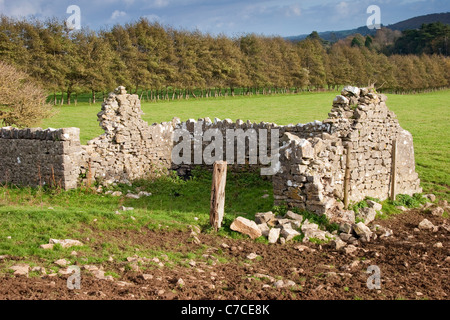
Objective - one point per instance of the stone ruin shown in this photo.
(312, 156)
(129, 149)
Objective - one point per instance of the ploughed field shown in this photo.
(160, 246)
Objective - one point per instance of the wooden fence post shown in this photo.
(394, 169)
(219, 180)
(347, 175)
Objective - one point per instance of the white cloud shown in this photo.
(160, 3)
(117, 14)
(293, 11)
(153, 18)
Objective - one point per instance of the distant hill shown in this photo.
(413, 23)
(416, 22)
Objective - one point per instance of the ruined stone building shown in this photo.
(312, 157)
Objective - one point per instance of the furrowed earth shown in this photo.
(413, 263)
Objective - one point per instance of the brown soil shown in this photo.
(411, 268)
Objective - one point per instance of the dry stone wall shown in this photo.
(38, 157)
(307, 130)
(312, 156)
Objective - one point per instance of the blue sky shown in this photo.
(231, 17)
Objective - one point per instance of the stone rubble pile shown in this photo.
(281, 229)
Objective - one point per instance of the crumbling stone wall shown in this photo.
(307, 130)
(312, 156)
(312, 170)
(39, 157)
(129, 149)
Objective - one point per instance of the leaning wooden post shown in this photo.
(394, 169)
(219, 180)
(347, 175)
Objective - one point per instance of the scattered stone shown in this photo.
(274, 234)
(264, 217)
(3, 257)
(65, 272)
(21, 269)
(41, 270)
(338, 244)
(402, 208)
(283, 284)
(132, 196)
(381, 231)
(195, 229)
(265, 196)
(90, 267)
(430, 197)
(374, 205)
(264, 229)
(123, 208)
(192, 263)
(181, 283)
(350, 249)
(123, 284)
(345, 228)
(293, 216)
(367, 214)
(195, 240)
(362, 231)
(289, 234)
(438, 245)
(301, 248)
(47, 246)
(252, 256)
(425, 224)
(116, 194)
(62, 262)
(144, 194)
(308, 226)
(264, 276)
(160, 292)
(438, 211)
(67, 243)
(345, 236)
(245, 226)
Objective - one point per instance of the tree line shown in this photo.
(160, 62)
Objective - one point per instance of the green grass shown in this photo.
(427, 117)
(281, 109)
(32, 216)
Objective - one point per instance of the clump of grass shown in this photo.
(321, 220)
(410, 202)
